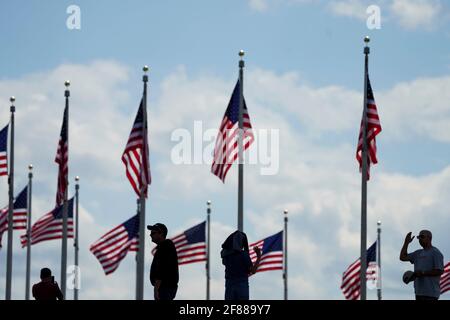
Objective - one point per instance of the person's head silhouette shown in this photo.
(45, 273)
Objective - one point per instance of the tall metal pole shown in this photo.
(364, 180)
(285, 255)
(10, 205)
(141, 252)
(379, 260)
(27, 284)
(208, 244)
(76, 241)
(138, 206)
(241, 145)
(65, 207)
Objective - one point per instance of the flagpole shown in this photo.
(241, 146)
(76, 241)
(208, 243)
(27, 284)
(141, 252)
(10, 205)
(379, 260)
(65, 207)
(364, 180)
(138, 202)
(285, 273)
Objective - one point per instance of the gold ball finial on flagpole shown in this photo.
(145, 69)
(30, 167)
(367, 40)
(67, 83)
(77, 178)
(241, 53)
(208, 202)
(379, 223)
(285, 211)
(12, 99)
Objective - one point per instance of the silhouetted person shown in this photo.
(428, 266)
(164, 270)
(47, 289)
(238, 265)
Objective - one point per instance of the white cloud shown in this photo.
(417, 108)
(413, 14)
(409, 14)
(349, 8)
(258, 5)
(318, 181)
(265, 5)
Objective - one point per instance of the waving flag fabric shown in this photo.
(136, 155)
(50, 225)
(112, 248)
(226, 150)
(445, 279)
(19, 214)
(190, 245)
(271, 253)
(351, 280)
(62, 159)
(4, 151)
(373, 129)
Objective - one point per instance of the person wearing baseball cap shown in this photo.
(428, 266)
(164, 274)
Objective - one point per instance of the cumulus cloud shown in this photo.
(413, 14)
(322, 178)
(265, 5)
(349, 8)
(318, 179)
(409, 14)
(416, 107)
(258, 5)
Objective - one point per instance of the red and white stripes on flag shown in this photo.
(62, 159)
(226, 150)
(190, 245)
(50, 226)
(373, 129)
(4, 151)
(111, 248)
(136, 154)
(19, 220)
(445, 279)
(351, 283)
(20, 210)
(271, 253)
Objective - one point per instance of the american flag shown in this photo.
(226, 150)
(50, 225)
(445, 279)
(136, 154)
(62, 159)
(19, 214)
(111, 248)
(350, 279)
(373, 129)
(3, 151)
(190, 245)
(271, 253)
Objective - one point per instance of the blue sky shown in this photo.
(303, 77)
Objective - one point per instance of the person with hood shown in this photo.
(238, 265)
